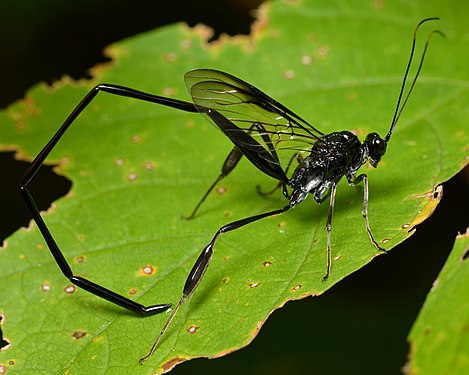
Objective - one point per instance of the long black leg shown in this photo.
(201, 265)
(282, 185)
(232, 161)
(357, 180)
(83, 283)
(268, 192)
(229, 164)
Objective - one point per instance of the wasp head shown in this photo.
(376, 147)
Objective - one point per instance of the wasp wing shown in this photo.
(258, 125)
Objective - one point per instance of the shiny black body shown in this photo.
(270, 136)
(336, 155)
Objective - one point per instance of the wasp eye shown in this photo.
(379, 145)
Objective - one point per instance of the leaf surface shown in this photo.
(137, 167)
(439, 338)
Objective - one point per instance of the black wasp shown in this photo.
(262, 130)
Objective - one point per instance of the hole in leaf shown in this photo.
(3, 342)
(46, 187)
(465, 255)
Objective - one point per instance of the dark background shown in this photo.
(364, 320)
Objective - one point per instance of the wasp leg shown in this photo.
(329, 229)
(81, 282)
(201, 265)
(229, 164)
(357, 180)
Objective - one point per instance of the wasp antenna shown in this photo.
(399, 107)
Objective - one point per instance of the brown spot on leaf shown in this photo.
(222, 190)
(171, 363)
(80, 259)
(322, 51)
(192, 329)
(132, 176)
(77, 335)
(306, 59)
(170, 57)
(431, 200)
(18, 120)
(149, 165)
(45, 287)
(169, 91)
(70, 289)
(296, 287)
(119, 162)
(254, 285)
(147, 270)
(136, 139)
(267, 264)
(289, 74)
(186, 44)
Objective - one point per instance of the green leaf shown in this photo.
(439, 338)
(137, 167)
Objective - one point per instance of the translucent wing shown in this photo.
(262, 128)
